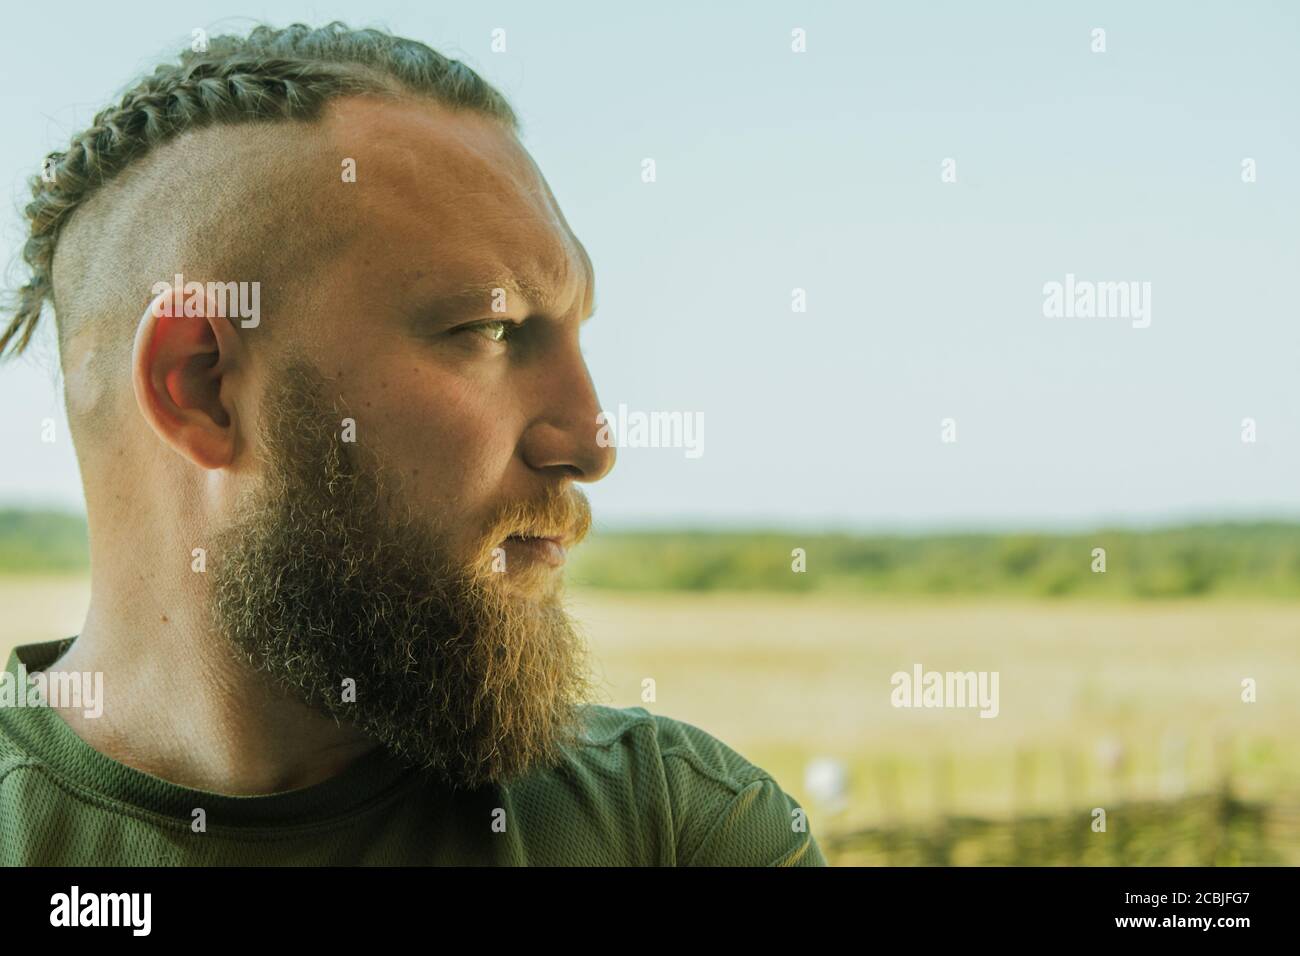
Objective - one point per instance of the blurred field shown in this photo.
(40, 608)
(784, 679)
(1099, 702)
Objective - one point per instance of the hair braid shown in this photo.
(269, 75)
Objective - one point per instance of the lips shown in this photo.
(550, 550)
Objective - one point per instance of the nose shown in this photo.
(566, 435)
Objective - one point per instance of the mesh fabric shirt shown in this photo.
(641, 790)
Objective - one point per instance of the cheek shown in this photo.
(448, 439)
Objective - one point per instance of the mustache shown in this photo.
(562, 513)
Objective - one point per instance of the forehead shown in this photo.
(449, 201)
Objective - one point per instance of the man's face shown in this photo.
(478, 399)
(380, 559)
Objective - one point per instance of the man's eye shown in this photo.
(496, 330)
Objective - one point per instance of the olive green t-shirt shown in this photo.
(641, 790)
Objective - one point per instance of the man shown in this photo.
(318, 319)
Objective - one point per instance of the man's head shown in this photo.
(362, 464)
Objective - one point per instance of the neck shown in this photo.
(180, 705)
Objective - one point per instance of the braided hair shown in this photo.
(267, 76)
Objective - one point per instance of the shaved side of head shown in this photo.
(222, 204)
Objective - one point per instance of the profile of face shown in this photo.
(395, 558)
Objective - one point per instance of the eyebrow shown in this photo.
(475, 296)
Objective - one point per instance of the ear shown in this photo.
(179, 369)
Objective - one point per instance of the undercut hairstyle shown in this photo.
(270, 76)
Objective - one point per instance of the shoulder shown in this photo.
(665, 791)
(11, 756)
(16, 720)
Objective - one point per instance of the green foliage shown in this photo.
(1259, 560)
(42, 542)
(1198, 830)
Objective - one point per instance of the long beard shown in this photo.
(334, 592)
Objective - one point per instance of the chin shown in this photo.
(533, 585)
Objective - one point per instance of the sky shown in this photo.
(824, 170)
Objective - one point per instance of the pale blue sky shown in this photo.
(821, 170)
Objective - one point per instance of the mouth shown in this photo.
(549, 550)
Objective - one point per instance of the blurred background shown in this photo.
(839, 268)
